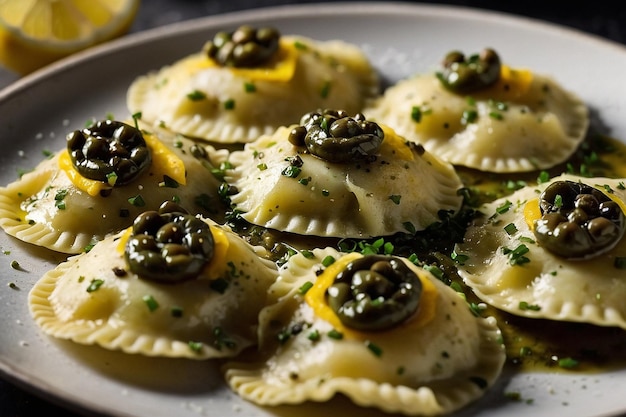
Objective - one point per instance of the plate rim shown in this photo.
(76, 403)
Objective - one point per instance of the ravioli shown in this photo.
(508, 269)
(401, 188)
(438, 360)
(523, 122)
(95, 299)
(199, 98)
(54, 206)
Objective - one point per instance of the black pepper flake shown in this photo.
(119, 272)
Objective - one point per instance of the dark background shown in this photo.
(601, 18)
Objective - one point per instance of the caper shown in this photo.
(245, 47)
(168, 245)
(464, 75)
(375, 293)
(110, 151)
(336, 137)
(198, 151)
(578, 221)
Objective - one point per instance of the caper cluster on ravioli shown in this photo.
(479, 113)
(336, 175)
(555, 251)
(250, 81)
(376, 328)
(172, 285)
(107, 174)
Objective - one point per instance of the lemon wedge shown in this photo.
(34, 33)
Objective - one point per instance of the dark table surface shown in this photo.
(600, 18)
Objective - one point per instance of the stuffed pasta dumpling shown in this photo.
(378, 329)
(172, 285)
(251, 81)
(482, 114)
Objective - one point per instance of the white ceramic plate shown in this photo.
(401, 39)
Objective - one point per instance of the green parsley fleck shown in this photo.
(504, 207)
(111, 178)
(137, 201)
(300, 45)
(196, 95)
(291, 171)
(395, 198)
(150, 302)
(328, 261)
(335, 334)
(375, 349)
(304, 288)
(94, 285)
(229, 104)
(469, 116)
(325, 90)
(195, 346)
(416, 114)
(568, 363)
(524, 306)
(516, 256)
(459, 258)
(510, 229)
(543, 177)
(58, 199)
(314, 335)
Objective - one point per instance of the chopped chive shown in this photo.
(196, 95)
(94, 285)
(335, 334)
(137, 201)
(328, 260)
(375, 349)
(150, 302)
(510, 229)
(304, 288)
(229, 104)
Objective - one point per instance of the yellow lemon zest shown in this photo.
(220, 248)
(532, 212)
(512, 84)
(281, 67)
(397, 143)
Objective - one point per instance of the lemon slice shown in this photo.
(34, 33)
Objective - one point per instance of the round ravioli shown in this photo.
(401, 188)
(95, 298)
(198, 97)
(56, 207)
(510, 268)
(522, 122)
(438, 359)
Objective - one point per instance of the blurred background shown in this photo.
(599, 18)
